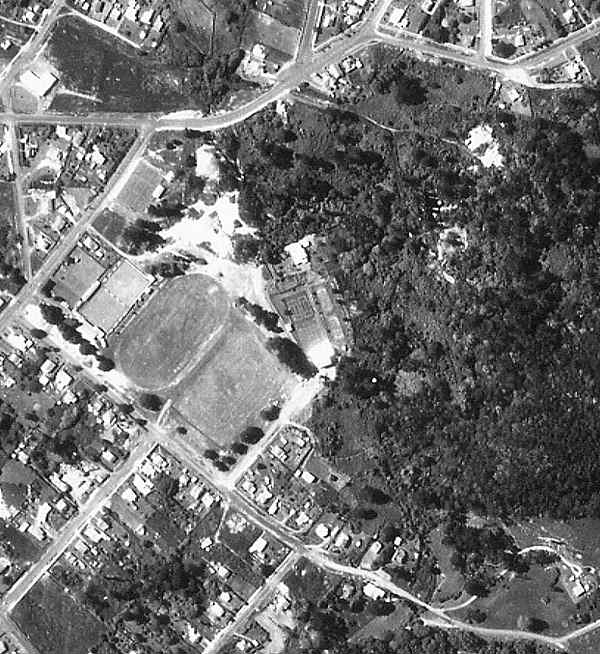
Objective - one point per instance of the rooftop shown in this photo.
(38, 84)
(111, 302)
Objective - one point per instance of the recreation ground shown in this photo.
(173, 332)
(190, 346)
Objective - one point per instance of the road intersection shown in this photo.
(308, 62)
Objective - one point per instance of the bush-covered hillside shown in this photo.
(474, 378)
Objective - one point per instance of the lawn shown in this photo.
(451, 585)
(176, 328)
(264, 29)
(111, 225)
(137, 193)
(383, 625)
(288, 12)
(536, 13)
(227, 392)
(198, 17)
(238, 534)
(509, 13)
(54, 622)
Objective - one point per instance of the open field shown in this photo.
(199, 18)
(112, 73)
(381, 625)
(530, 595)
(451, 585)
(174, 330)
(227, 392)
(54, 622)
(111, 225)
(537, 13)
(137, 193)
(288, 12)
(264, 29)
(509, 13)
(581, 535)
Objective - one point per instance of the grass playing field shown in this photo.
(173, 332)
(239, 378)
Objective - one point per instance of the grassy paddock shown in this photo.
(54, 622)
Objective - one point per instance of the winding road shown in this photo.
(371, 31)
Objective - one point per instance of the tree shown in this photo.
(504, 49)
(245, 248)
(409, 91)
(267, 319)
(374, 495)
(476, 616)
(270, 413)
(504, 350)
(105, 364)
(476, 587)
(252, 435)
(70, 334)
(239, 448)
(142, 236)
(52, 314)
(39, 333)
(211, 455)
(292, 355)
(86, 348)
(151, 401)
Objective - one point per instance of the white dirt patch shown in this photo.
(52, 159)
(484, 146)
(207, 164)
(7, 512)
(214, 229)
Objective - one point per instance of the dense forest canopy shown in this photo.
(475, 294)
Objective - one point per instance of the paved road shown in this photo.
(58, 253)
(301, 397)
(486, 17)
(11, 131)
(29, 51)
(254, 603)
(305, 44)
(555, 51)
(132, 121)
(321, 559)
(8, 626)
(290, 78)
(72, 530)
